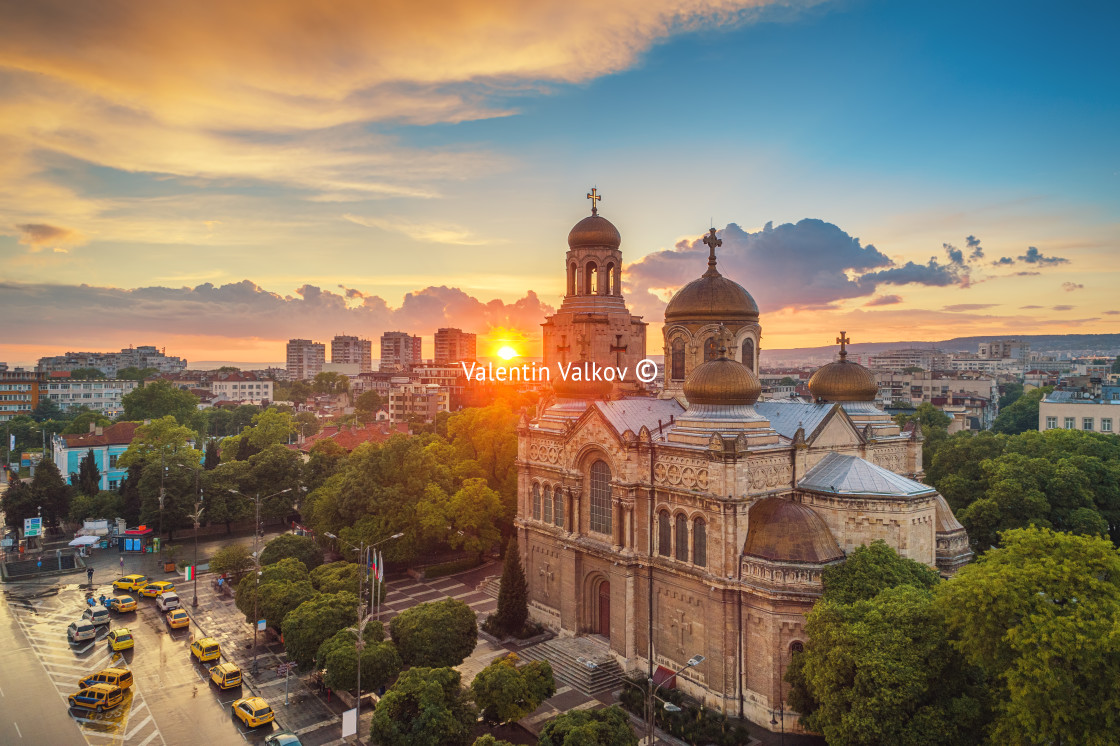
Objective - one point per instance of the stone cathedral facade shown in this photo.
(721, 509)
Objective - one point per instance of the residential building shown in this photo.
(975, 394)
(19, 392)
(917, 357)
(419, 400)
(1075, 410)
(352, 350)
(305, 359)
(107, 445)
(450, 377)
(1006, 349)
(104, 395)
(399, 351)
(242, 387)
(110, 363)
(454, 345)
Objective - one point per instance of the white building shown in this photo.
(305, 359)
(247, 388)
(422, 400)
(349, 350)
(103, 395)
(1073, 410)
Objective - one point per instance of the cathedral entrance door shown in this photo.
(605, 609)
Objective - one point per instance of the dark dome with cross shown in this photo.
(712, 297)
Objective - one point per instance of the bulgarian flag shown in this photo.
(380, 566)
(373, 565)
(188, 572)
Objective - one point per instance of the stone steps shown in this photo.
(491, 585)
(565, 654)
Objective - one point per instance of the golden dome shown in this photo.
(594, 231)
(843, 380)
(784, 531)
(713, 297)
(722, 381)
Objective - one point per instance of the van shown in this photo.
(167, 601)
(206, 649)
(98, 697)
(121, 677)
(81, 630)
(96, 614)
(226, 675)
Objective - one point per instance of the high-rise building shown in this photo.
(453, 345)
(305, 359)
(351, 350)
(110, 363)
(399, 351)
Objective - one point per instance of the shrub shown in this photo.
(435, 634)
(302, 548)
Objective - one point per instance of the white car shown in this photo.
(96, 615)
(168, 601)
(80, 631)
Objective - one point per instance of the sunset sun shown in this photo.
(507, 353)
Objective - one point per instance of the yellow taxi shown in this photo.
(130, 583)
(122, 604)
(98, 697)
(120, 639)
(206, 649)
(121, 677)
(253, 711)
(226, 675)
(153, 589)
(177, 619)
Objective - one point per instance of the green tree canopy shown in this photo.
(466, 520)
(164, 441)
(437, 633)
(50, 491)
(89, 476)
(367, 404)
(233, 559)
(872, 568)
(82, 420)
(507, 692)
(1009, 393)
(609, 726)
(329, 382)
(1040, 615)
(339, 656)
(86, 374)
(335, 577)
(289, 576)
(18, 502)
(46, 409)
(302, 548)
(314, 621)
(513, 593)
(160, 399)
(325, 459)
(1022, 414)
(132, 373)
(105, 504)
(425, 707)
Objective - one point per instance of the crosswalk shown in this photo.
(44, 622)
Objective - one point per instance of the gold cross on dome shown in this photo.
(594, 196)
(843, 341)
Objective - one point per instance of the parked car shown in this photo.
(206, 649)
(283, 738)
(178, 618)
(167, 601)
(130, 582)
(122, 604)
(226, 675)
(96, 615)
(81, 630)
(120, 639)
(98, 697)
(121, 677)
(253, 711)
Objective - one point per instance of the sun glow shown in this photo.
(508, 353)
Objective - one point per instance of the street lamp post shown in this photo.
(781, 704)
(695, 660)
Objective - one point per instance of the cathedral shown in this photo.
(699, 521)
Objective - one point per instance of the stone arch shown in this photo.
(711, 348)
(558, 506)
(676, 359)
(680, 537)
(796, 647)
(596, 610)
(608, 284)
(590, 278)
(664, 533)
(536, 501)
(748, 352)
(699, 541)
(600, 501)
(546, 504)
(572, 278)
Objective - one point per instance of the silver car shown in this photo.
(81, 630)
(97, 615)
(168, 601)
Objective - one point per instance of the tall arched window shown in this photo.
(748, 353)
(590, 279)
(710, 351)
(558, 507)
(547, 504)
(608, 280)
(537, 502)
(600, 497)
(664, 534)
(682, 538)
(699, 543)
(572, 279)
(677, 354)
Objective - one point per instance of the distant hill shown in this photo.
(1098, 343)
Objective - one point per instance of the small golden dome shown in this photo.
(843, 380)
(712, 297)
(784, 531)
(722, 381)
(594, 231)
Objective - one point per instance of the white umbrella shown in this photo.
(84, 541)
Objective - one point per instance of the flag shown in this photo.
(380, 566)
(373, 565)
(188, 573)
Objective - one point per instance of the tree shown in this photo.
(336, 577)
(882, 671)
(162, 441)
(233, 559)
(425, 707)
(302, 548)
(326, 458)
(104, 504)
(160, 399)
(270, 427)
(82, 421)
(871, 569)
(507, 692)
(1022, 414)
(437, 633)
(513, 593)
(50, 491)
(130, 493)
(213, 456)
(1009, 393)
(46, 409)
(489, 740)
(89, 476)
(1039, 614)
(609, 726)
(132, 373)
(86, 374)
(314, 621)
(367, 404)
(925, 414)
(913, 369)
(275, 581)
(339, 656)
(466, 520)
(329, 382)
(278, 598)
(18, 502)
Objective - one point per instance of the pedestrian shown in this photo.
(122, 563)
(39, 564)
(89, 575)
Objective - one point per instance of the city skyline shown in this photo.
(926, 172)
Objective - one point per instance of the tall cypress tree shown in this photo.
(513, 596)
(89, 476)
(51, 492)
(213, 455)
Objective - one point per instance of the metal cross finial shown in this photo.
(594, 196)
(843, 341)
(712, 243)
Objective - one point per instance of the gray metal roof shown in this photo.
(786, 415)
(631, 414)
(849, 475)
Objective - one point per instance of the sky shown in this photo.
(216, 178)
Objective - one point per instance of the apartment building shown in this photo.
(305, 359)
(918, 357)
(110, 363)
(349, 350)
(107, 445)
(243, 387)
(420, 400)
(454, 345)
(19, 393)
(399, 351)
(1075, 410)
(104, 396)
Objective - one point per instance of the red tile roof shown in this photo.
(121, 433)
(350, 437)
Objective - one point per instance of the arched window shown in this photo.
(558, 507)
(600, 497)
(664, 534)
(547, 504)
(590, 279)
(608, 280)
(537, 502)
(677, 366)
(682, 538)
(699, 543)
(710, 350)
(572, 278)
(797, 647)
(748, 353)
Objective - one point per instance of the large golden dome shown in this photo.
(713, 297)
(843, 380)
(722, 381)
(784, 531)
(594, 231)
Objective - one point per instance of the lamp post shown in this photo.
(781, 703)
(363, 618)
(695, 660)
(194, 570)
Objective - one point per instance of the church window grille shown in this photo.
(558, 507)
(536, 502)
(677, 357)
(600, 497)
(664, 535)
(699, 543)
(710, 352)
(748, 353)
(547, 504)
(682, 538)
